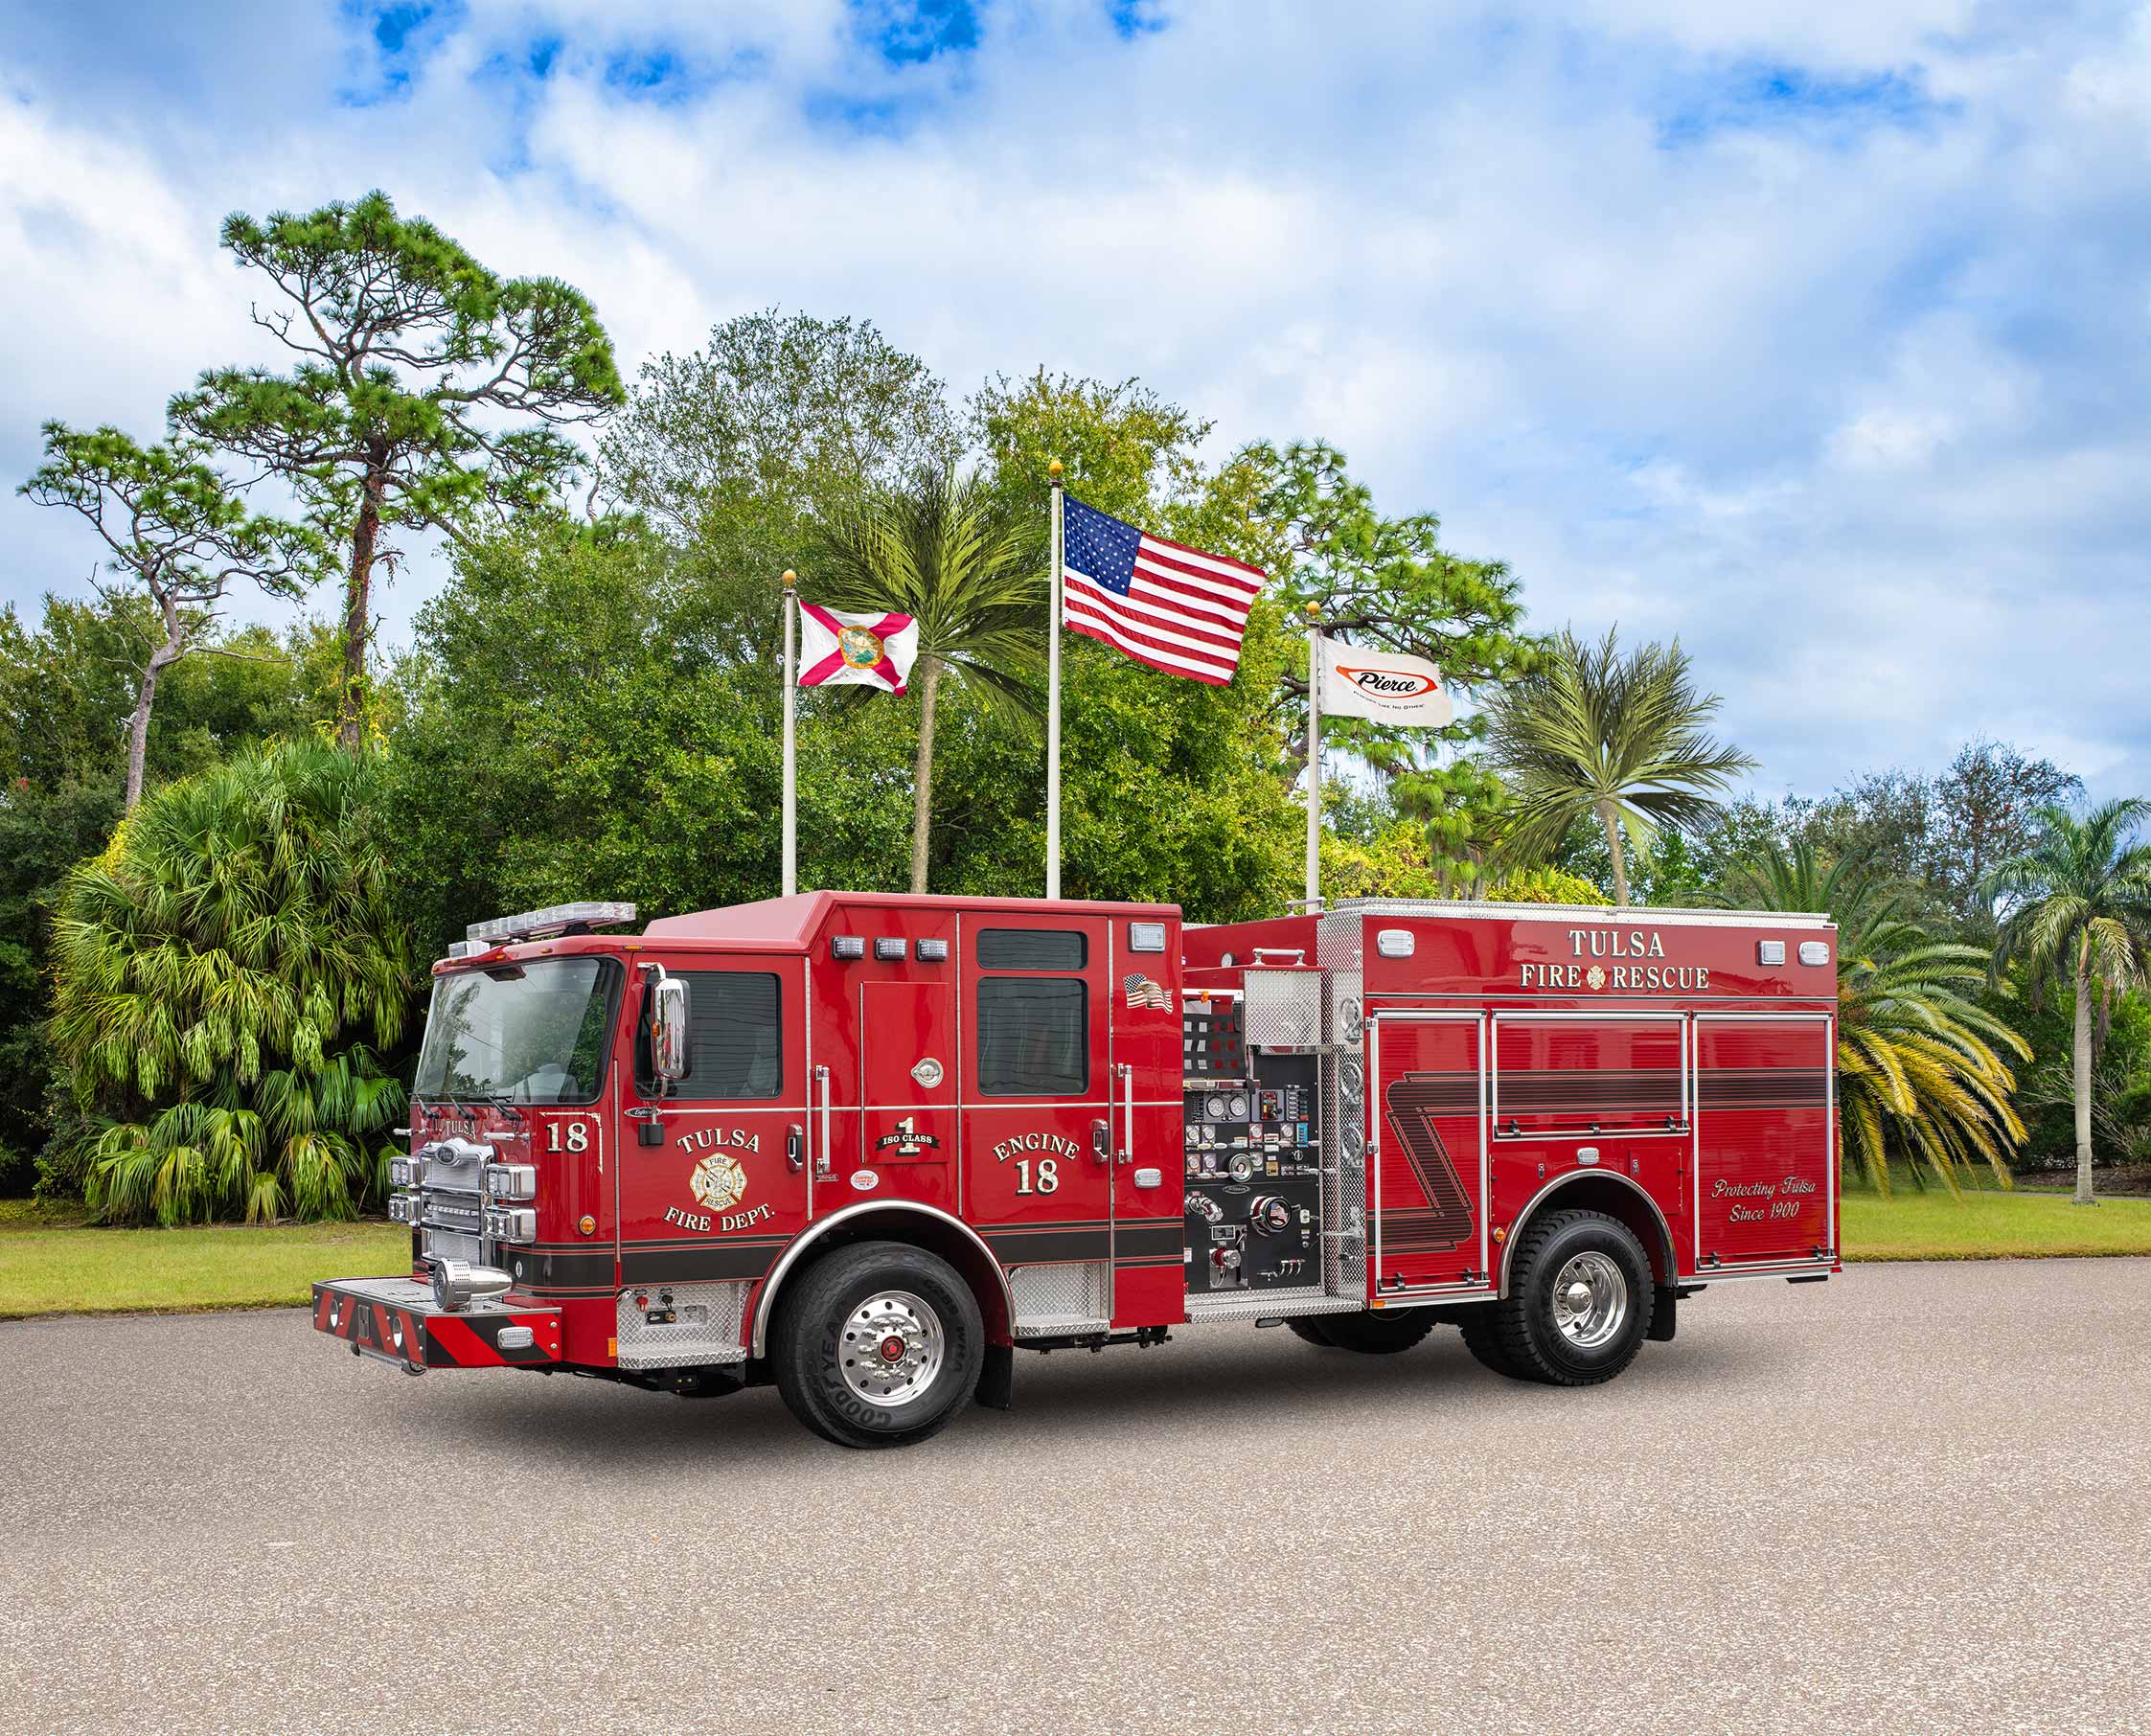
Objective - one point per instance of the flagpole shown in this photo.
(1313, 756)
(790, 764)
(1053, 700)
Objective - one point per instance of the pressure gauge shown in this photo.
(1215, 1107)
(1239, 1110)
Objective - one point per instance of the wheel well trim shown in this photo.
(764, 1304)
(1538, 1199)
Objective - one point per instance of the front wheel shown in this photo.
(1578, 1306)
(877, 1345)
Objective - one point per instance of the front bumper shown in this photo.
(397, 1320)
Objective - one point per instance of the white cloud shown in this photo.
(1814, 334)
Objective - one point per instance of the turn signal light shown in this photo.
(406, 1208)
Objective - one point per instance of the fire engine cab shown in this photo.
(867, 1146)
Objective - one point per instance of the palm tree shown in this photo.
(1623, 738)
(213, 972)
(1917, 1064)
(943, 551)
(2079, 908)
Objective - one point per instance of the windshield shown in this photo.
(532, 1033)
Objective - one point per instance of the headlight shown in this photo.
(407, 1172)
(512, 1180)
(457, 1284)
(406, 1208)
(511, 1225)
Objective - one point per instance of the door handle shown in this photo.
(796, 1148)
(1101, 1140)
(823, 1163)
(1127, 1074)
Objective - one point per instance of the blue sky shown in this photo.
(1817, 335)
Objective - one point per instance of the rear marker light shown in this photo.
(1394, 942)
(1146, 937)
(1770, 952)
(1815, 953)
(932, 952)
(847, 945)
(589, 1225)
(890, 949)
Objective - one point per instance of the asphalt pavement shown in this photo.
(1918, 1498)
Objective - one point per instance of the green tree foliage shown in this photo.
(1921, 1076)
(428, 389)
(732, 450)
(173, 527)
(2078, 909)
(66, 695)
(224, 977)
(945, 551)
(1624, 739)
(578, 728)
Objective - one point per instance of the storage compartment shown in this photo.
(1765, 1147)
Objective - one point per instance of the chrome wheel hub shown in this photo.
(1590, 1300)
(891, 1348)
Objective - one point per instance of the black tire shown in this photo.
(1310, 1332)
(817, 1329)
(1483, 1338)
(1376, 1333)
(1523, 1337)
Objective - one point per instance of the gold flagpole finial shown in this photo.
(1314, 611)
(790, 578)
(1053, 469)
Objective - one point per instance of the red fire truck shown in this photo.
(868, 1146)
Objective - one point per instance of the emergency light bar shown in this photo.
(545, 925)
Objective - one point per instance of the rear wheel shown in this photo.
(876, 1345)
(1578, 1306)
(1376, 1333)
(1310, 1330)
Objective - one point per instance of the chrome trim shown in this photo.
(814, 1233)
(1531, 1205)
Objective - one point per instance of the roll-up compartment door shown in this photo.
(1764, 1145)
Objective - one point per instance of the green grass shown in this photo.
(1989, 1224)
(52, 1264)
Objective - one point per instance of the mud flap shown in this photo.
(1663, 1298)
(997, 1378)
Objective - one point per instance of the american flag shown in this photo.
(1164, 604)
(1143, 992)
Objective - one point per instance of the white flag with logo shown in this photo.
(1382, 686)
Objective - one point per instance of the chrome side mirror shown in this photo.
(668, 1029)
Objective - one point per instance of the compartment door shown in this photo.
(1764, 1139)
(1427, 1158)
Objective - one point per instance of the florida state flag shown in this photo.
(837, 646)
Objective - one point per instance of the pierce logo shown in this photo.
(1390, 683)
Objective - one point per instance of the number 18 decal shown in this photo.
(1048, 1177)
(575, 1134)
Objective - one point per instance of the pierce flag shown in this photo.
(1383, 686)
(838, 648)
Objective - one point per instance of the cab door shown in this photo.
(711, 1170)
(1037, 1096)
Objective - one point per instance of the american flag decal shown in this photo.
(1177, 609)
(1143, 992)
